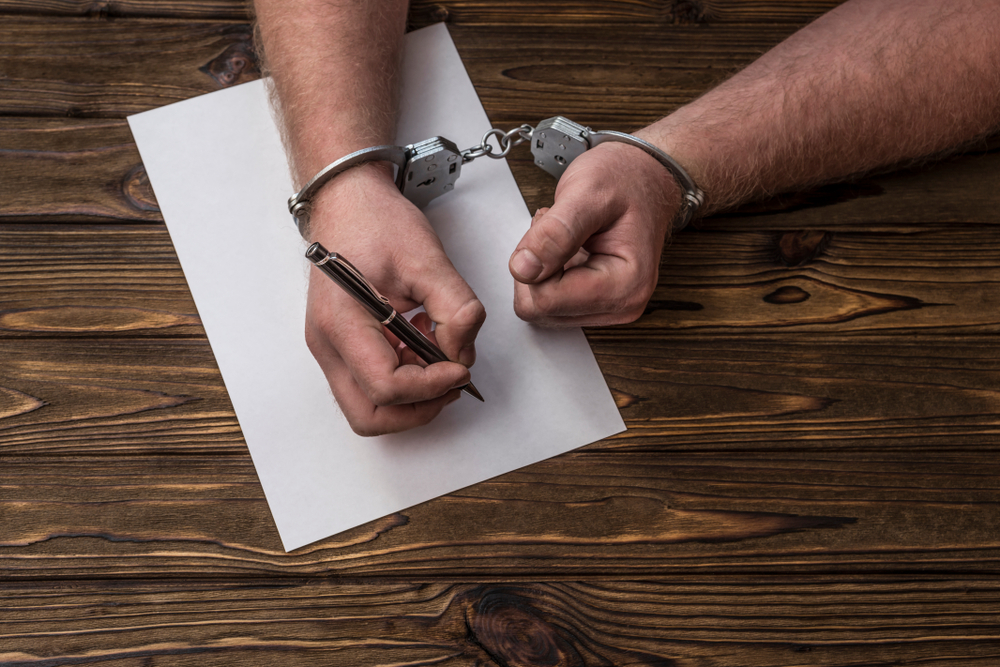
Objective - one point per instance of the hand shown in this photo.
(593, 257)
(380, 386)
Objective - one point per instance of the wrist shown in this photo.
(684, 140)
(341, 198)
(662, 188)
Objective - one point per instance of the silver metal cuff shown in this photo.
(299, 204)
(693, 197)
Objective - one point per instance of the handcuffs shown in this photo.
(428, 169)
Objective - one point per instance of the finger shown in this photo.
(365, 417)
(593, 320)
(605, 289)
(538, 214)
(424, 325)
(558, 234)
(579, 258)
(343, 336)
(368, 419)
(453, 306)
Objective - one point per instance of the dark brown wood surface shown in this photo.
(811, 471)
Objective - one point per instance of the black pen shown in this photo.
(354, 283)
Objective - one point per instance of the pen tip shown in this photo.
(472, 391)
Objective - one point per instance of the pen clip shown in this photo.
(357, 275)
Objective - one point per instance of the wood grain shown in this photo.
(238, 10)
(676, 392)
(80, 67)
(810, 475)
(88, 170)
(112, 281)
(847, 457)
(694, 622)
(862, 282)
(665, 13)
(73, 170)
(584, 516)
(92, 281)
(494, 12)
(120, 396)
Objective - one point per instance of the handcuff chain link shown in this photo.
(505, 142)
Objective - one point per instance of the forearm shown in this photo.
(870, 84)
(333, 65)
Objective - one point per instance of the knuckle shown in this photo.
(382, 393)
(524, 307)
(636, 303)
(555, 236)
(365, 430)
(471, 313)
(545, 303)
(312, 339)
(319, 343)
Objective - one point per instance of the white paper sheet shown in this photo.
(219, 172)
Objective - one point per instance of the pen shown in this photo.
(350, 279)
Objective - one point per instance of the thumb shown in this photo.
(556, 235)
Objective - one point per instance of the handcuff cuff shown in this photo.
(430, 168)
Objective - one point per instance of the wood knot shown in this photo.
(686, 12)
(236, 64)
(100, 9)
(797, 248)
(513, 633)
(787, 294)
(439, 13)
(623, 400)
(137, 190)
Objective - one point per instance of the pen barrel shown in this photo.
(350, 279)
(415, 340)
(354, 284)
(350, 283)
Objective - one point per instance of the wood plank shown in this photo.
(89, 170)
(461, 12)
(125, 281)
(93, 282)
(233, 10)
(123, 397)
(698, 621)
(693, 392)
(80, 67)
(941, 281)
(81, 170)
(742, 456)
(570, 518)
(665, 14)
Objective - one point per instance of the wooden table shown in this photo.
(810, 473)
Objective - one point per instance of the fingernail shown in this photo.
(467, 355)
(454, 398)
(526, 264)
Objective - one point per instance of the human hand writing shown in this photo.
(593, 257)
(381, 386)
